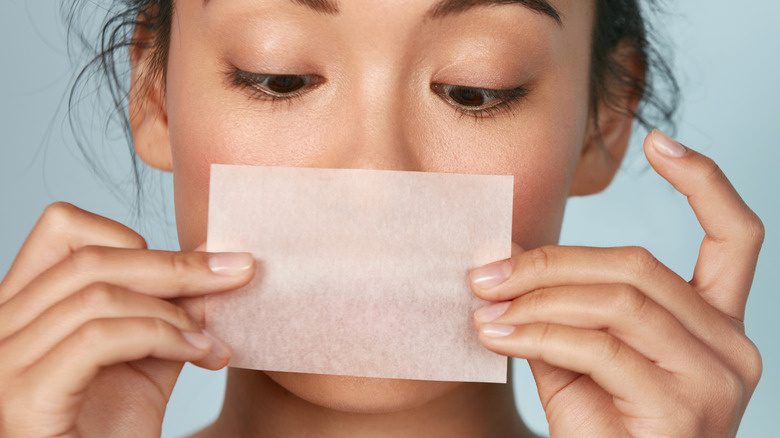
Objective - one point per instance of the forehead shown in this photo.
(400, 27)
(373, 26)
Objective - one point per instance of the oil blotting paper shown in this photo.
(359, 272)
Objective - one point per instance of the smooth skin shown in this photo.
(94, 328)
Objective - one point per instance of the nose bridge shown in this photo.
(376, 128)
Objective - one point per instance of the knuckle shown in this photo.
(157, 328)
(755, 369)
(61, 218)
(96, 296)
(751, 363)
(540, 259)
(629, 301)
(712, 172)
(183, 264)
(543, 334)
(754, 230)
(59, 215)
(610, 347)
(640, 261)
(534, 302)
(91, 334)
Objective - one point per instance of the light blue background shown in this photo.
(727, 61)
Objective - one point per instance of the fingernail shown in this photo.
(230, 263)
(492, 312)
(218, 347)
(197, 340)
(491, 275)
(665, 145)
(497, 330)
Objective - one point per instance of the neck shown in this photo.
(256, 406)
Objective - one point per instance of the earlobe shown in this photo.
(609, 132)
(146, 104)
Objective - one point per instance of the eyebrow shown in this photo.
(453, 7)
(447, 7)
(322, 6)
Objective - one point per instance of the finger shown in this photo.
(621, 310)
(552, 266)
(60, 378)
(195, 306)
(734, 234)
(163, 274)
(613, 365)
(552, 381)
(97, 301)
(61, 230)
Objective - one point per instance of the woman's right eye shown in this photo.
(274, 86)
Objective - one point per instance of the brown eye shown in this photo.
(480, 102)
(285, 84)
(274, 86)
(469, 97)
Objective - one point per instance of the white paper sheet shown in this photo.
(360, 272)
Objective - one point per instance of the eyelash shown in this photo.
(506, 99)
(253, 84)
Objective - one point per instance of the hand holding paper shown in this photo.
(360, 272)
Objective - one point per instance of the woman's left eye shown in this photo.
(274, 86)
(479, 101)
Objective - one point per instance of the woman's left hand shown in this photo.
(619, 344)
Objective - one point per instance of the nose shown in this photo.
(377, 125)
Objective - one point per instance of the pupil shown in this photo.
(285, 83)
(467, 96)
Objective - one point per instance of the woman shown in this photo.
(617, 342)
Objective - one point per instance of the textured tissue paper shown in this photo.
(359, 272)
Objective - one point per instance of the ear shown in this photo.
(147, 111)
(609, 132)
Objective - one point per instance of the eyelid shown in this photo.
(254, 82)
(502, 100)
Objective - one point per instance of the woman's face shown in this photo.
(379, 84)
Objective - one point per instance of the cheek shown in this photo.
(540, 145)
(544, 172)
(207, 127)
(228, 136)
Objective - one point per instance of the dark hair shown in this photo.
(619, 24)
(622, 22)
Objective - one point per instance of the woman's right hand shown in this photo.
(90, 344)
